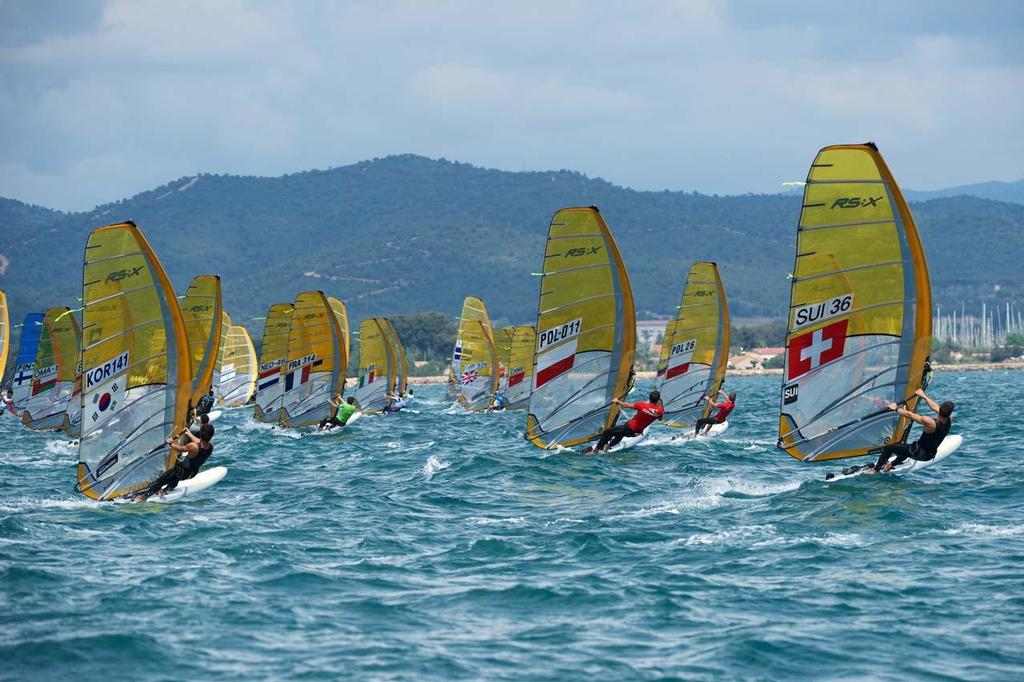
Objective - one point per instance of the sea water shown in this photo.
(439, 545)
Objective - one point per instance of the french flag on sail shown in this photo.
(555, 362)
(289, 379)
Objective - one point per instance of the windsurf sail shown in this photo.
(398, 354)
(502, 351)
(341, 315)
(519, 374)
(202, 311)
(218, 367)
(25, 363)
(475, 360)
(238, 369)
(859, 327)
(586, 332)
(315, 372)
(695, 348)
(376, 366)
(273, 360)
(137, 373)
(56, 367)
(5, 333)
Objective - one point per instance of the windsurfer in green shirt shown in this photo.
(340, 414)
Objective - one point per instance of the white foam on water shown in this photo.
(489, 521)
(732, 536)
(709, 494)
(432, 466)
(984, 530)
(829, 539)
(22, 504)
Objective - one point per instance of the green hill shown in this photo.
(407, 234)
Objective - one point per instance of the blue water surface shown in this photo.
(439, 545)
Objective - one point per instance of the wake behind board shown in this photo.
(201, 481)
(948, 446)
(337, 429)
(715, 431)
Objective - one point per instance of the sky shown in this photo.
(102, 99)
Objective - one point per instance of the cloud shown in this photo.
(728, 97)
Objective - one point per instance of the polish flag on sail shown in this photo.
(679, 365)
(555, 362)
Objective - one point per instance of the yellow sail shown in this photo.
(519, 375)
(315, 372)
(695, 348)
(202, 310)
(238, 371)
(341, 315)
(502, 351)
(137, 372)
(376, 366)
(859, 326)
(218, 368)
(56, 368)
(475, 360)
(5, 333)
(273, 360)
(401, 382)
(586, 332)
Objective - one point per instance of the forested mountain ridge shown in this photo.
(405, 234)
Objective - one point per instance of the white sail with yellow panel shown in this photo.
(202, 310)
(56, 368)
(238, 370)
(376, 366)
(316, 361)
(519, 375)
(859, 327)
(5, 333)
(586, 332)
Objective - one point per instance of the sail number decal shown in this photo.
(819, 312)
(560, 333)
(108, 369)
(295, 364)
(273, 364)
(683, 347)
(44, 372)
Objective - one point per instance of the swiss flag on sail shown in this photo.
(814, 349)
(555, 362)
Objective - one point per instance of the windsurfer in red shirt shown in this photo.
(724, 408)
(645, 414)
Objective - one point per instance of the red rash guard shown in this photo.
(645, 414)
(724, 408)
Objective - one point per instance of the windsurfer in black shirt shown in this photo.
(924, 448)
(197, 451)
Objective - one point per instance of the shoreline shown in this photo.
(966, 367)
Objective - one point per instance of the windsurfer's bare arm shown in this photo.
(934, 406)
(926, 422)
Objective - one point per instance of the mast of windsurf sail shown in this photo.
(859, 326)
(695, 348)
(25, 363)
(5, 333)
(315, 361)
(137, 371)
(202, 311)
(273, 359)
(71, 348)
(53, 378)
(376, 366)
(586, 332)
(477, 375)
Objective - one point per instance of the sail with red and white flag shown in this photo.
(695, 348)
(859, 327)
(585, 333)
